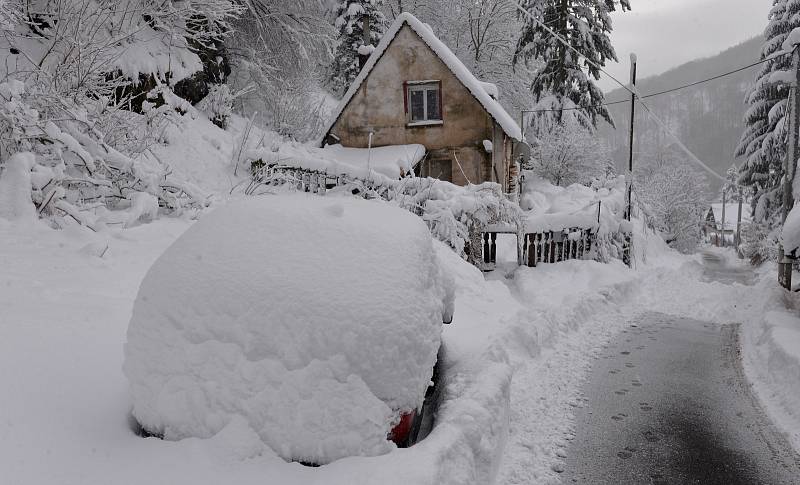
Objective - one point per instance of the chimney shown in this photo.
(362, 57)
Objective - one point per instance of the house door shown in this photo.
(438, 168)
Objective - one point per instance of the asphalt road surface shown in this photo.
(668, 403)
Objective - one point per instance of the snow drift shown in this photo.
(316, 320)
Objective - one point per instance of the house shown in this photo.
(719, 232)
(414, 90)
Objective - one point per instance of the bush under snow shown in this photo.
(317, 320)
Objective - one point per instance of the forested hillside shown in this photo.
(707, 117)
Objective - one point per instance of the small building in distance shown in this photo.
(724, 234)
(414, 90)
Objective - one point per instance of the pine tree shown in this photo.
(568, 80)
(763, 142)
(350, 15)
(731, 186)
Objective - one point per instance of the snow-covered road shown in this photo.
(550, 391)
(668, 403)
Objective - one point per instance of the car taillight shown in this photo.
(399, 433)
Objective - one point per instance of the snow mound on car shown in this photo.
(315, 319)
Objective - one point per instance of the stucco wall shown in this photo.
(378, 106)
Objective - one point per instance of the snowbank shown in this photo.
(317, 320)
(771, 346)
(790, 234)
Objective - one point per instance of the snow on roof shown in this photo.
(393, 161)
(390, 162)
(731, 215)
(480, 90)
(491, 89)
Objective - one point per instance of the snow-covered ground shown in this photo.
(519, 348)
(68, 296)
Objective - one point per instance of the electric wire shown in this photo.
(659, 93)
(632, 89)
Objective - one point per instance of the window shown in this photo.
(424, 102)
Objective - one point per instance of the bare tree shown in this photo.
(674, 194)
(568, 153)
(277, 49)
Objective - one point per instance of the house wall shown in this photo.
(379, 106)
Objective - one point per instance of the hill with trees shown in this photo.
(708, 118)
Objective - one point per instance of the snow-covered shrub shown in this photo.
(66, 95)
(759, 243)
(675, 194)
(567, 153)
(317, 339)
(218, 105)
(74, 165)
(454, 214)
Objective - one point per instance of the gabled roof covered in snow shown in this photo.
(485, 93)
(731, 215)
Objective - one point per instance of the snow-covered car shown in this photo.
(316, 321)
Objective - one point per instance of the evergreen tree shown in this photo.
(731, 186)
(763, 142)
(567, 80)
(350, 16)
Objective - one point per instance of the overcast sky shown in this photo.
(668, 33)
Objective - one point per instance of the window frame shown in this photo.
(423, 86)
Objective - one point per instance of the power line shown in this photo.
(667, 91)
(714, 78)
(631, 90)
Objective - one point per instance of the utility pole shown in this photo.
(629, 193)
(627, 251)
(738, 238)
(724, 204)
(785, 263)
(367, 40)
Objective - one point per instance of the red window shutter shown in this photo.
(441, 95)
(405, 96)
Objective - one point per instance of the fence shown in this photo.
(532, 248)
(547, 247)
(553, 247)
